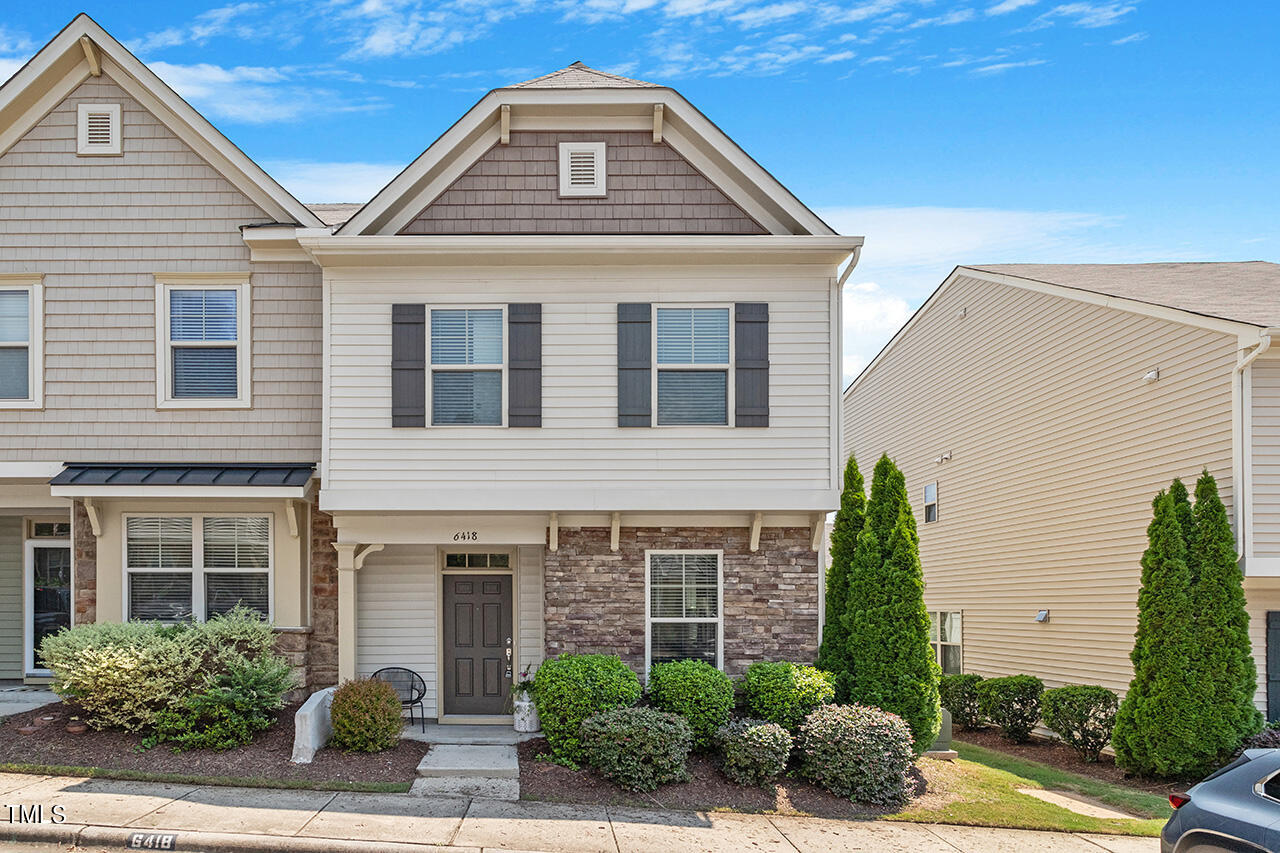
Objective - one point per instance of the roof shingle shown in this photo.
(579, 76)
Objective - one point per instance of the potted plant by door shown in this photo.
(523, 709)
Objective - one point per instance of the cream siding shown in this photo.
(579, 438)
(11, 581)
(1265, 381)
(98, 229)
(1057, 448)
(531, 640)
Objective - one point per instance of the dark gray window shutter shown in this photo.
(524, 372)
(408, 365)
(635, 360)
(751, 364)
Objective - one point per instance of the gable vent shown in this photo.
(582, 169)
(98, 129)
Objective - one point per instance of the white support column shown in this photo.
(757, 521)
(553, 532)
(346, 610)
(615, 526)
(818, 523)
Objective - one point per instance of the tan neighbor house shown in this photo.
(1035, 410)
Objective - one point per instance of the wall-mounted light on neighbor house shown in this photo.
(1042, 616)
(946, 457)
(1152, 375)
(962, 312)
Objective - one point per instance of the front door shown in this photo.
(477, 643)
(47, 596)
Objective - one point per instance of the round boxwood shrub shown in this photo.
(695, 690)
(755, 751)
(1012, 703)
(784, 693)
(366, 716)
(959, 695)
(1083, 715)
(858, 752)
(570, 688)
(637, 748)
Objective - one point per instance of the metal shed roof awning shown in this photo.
(266, 480)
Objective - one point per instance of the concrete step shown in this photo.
(466, 786)
(449, 760)
(483, 735)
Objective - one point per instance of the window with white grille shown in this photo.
(202, 353)
(98, 129)
(683, 607)
(582, 169)
(181, 568)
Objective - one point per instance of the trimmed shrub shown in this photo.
(1083, 715)
(366, 716)
(959, 695)
(861, 753)
(241, 702)
(570, 688)
(833, 654)
(893, 663)
(784, 693)
(755, 752)
(637, 748)
(1012, 703)
(695, 690)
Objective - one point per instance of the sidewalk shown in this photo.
(105, 813)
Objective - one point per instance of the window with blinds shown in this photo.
(684, 606)
(188, 567)
(15, 344)
(203, 340)
(693, 363)
(467, 366)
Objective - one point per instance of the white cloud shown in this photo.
(842, 56)
(762, 15)
(1088, 15)
(9, 67)
(319, 183)
(255, 95)
(956, 16)
(1130, 39)
(1008, 6)
(15, 42)
(871, 317)
(224, 20)
(1001, 67)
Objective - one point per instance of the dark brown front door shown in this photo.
(477, 643)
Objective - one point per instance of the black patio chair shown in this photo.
(409, 686)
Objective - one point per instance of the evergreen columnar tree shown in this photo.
(1187, 521)
(833, 654)
(1157, 727)
(888, 626)
(1224, 675)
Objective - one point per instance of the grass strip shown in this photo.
(191, 779)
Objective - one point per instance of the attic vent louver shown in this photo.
(98, 129)
(582, 169)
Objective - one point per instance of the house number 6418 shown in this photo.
(466, 536)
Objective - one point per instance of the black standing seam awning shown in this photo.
(146, 474)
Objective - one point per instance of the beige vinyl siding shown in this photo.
(1058, 446)
(1265, 382)
(396, 613)
(98, 229)
(579, 437)
(529, 609)
(11, 580)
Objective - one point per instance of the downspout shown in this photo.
(1244, 523)
(853, 262)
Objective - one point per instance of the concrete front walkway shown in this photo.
(101, 813)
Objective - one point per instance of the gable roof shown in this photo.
(1244, 291)
(83, 49)
(580, 76)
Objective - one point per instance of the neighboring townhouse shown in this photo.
(580, 384)
(1036, 410)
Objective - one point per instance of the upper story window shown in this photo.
(930, 502)
(203, 353)
(21, 345)
(683, 607)
(98, 130)
(468, 366)
(582, 169)
(692, 365)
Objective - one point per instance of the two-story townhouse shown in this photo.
(580, 393)
(1036, 410)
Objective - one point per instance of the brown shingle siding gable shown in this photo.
(514, 189)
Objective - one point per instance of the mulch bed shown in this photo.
(710, 790)
(267, 757)
(1058, 755)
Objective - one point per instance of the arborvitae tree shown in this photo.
(1224, 675)
(833, 654)
(1157, 729)
(1187, 521)
(888, 626)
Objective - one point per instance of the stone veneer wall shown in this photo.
(84, 566)
(323, 641)
(595, 596)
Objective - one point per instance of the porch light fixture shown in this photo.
(1152, 375)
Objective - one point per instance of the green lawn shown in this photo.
(980, 789)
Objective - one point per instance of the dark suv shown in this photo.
(1236, 809)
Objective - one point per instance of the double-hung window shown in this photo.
(946, 640)
(930, 503)
(683, 607)
(187, 567)
(468, 366)
(20, 345)
(693, 364)
(203, 353)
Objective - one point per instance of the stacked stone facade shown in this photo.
(595, 596)
(322, 643)
(84, 566)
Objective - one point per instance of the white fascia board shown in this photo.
(416, 250)
(562, 499)
(45, 471)
(274, 243)
(236, 492)
(1247, 333)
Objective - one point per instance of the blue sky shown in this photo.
(946, 132)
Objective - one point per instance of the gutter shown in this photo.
(853, 262)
